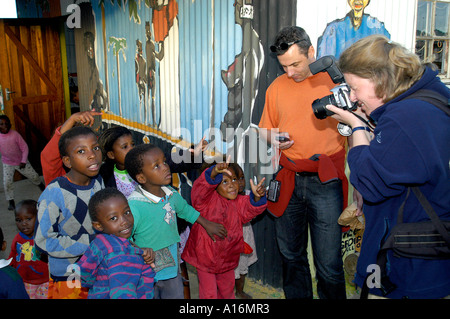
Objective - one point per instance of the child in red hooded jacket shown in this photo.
(215, 194)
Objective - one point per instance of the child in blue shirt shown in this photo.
(64, 229)
(112, 268)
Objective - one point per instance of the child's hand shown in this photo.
(221, 168)
(212, 229)
(199, 148)
(258, 190)
(149, 256)
(85, 118)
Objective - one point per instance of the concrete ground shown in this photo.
(24, 189)
(252, 287)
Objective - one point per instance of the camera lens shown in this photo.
(319, 106)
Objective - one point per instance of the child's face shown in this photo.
(229, 186)
(120, 149)
(25, 219)
(114, 217)
(155, 172)
(85, 156)
(4, 126)
(241, 180)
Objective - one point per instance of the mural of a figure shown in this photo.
(152, 55)
(342, 33)
(92, 94)
(141, 78)
(164, 28)
(164, 14)
(242, 76)
(97, 96)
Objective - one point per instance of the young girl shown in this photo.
(111, 267)
(14, 154)
(115, 143)
(215, 196)
(30, 264)
(246, 259)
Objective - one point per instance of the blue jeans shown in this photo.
(319, 206)
(169, 288)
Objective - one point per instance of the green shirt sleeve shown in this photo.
(184, 210)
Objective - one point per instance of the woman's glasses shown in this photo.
(283, 46)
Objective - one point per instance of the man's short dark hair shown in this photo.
(68, 136)
(292, 34)
(101, 196)
(134, 160)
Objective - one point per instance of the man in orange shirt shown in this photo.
(311, 172)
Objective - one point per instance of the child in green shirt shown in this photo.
(155, 206)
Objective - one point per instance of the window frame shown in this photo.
(432, 38)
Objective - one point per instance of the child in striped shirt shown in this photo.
(113, 268)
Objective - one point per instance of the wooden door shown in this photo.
(30, 67)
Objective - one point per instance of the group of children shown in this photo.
(122, 240)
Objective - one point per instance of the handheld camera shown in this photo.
(341, 93)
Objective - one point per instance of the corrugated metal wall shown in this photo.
(200, 40)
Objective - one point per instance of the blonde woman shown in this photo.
(410, 147)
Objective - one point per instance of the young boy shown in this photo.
(52, 166)
(29, 262)
(14, 151)
(64, 228)
(111, 267)
(155, 207)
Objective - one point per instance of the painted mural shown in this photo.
(343, 32)
(156, 75)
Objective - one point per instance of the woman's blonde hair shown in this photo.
(391, 67)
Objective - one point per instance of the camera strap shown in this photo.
(369, 125)
(432, 97)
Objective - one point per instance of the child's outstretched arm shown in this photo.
(221, 168)
(182, 161)
(52, 165)
(213, 229)
(199, 148)
(258, 190)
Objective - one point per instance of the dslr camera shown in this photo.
(341, 92)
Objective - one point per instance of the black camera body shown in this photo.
(341, 93)
(274, 190)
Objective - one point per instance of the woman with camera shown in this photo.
(410, 147)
